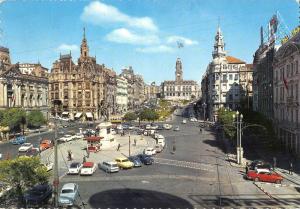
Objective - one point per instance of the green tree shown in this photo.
(35, 118)
(225, 117)
(13, 118)
(22, 173)
(130, 116)
(149, 114)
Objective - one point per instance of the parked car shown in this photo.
(167, 126)
(148, 126)
(193, 119)
(149, 151)
(124, 163)
(46, 144)
(38, 195)
(78, 136)
(176, 128)
(75, 168)
(68, 194)
(109, 167)
(158, 148)
(66, 138)
(88, 168)
(183, 121)
(145, 159)
(259, 164)
(33, 152)
(264, 175)
(19, 140)
(154, 127)
(25, 147)
(160, 127)
(136, 161)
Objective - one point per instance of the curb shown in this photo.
(267, 193)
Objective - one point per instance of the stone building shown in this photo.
(180, 89)
(109, 91)
(286, 82)
(152, 91)
(77, 91)
(17, 89)
(121, 95)
(135, 88)
(227, 80)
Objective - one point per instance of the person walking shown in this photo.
(134, 142)
(84, 159)
(274, 163)
(201, 130)
(291, 168)
(87, 153)
(246, 168)
(119, 145)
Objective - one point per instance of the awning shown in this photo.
(78, 115)
(89, 115)
(65, 113)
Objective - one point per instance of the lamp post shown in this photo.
(238, 119)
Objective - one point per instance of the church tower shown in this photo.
(219, 46)
(84, 48)
(178, 72)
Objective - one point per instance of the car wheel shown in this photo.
(256, 179)
(278, 181)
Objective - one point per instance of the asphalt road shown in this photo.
(196, 175)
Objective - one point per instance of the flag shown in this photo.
(180, 44)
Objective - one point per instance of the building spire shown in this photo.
(83, 32)
(178, 72)
(219, 46)
(84, 49)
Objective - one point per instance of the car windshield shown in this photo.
(65, 191)
(74, 165)
(125, 160)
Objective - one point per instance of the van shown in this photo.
(161, 140)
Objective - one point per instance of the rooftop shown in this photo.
(234, 60)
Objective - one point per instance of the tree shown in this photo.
(130, 116)
(225, 117)
(149, 114)
(13, 118)
(23, 173)
(35, 118)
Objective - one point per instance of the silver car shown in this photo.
(68, 194)
(109, 167)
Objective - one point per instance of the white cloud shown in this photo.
(185, 41)
(1, 1)
(98, 13)
(156, 49)
(123, 35)
(68, 47)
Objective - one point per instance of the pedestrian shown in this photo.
(87, 153)
(291, 168)
(69, 155)
(174, 148)
(134, 142)
(84, 159)
(201, 130)
(119, 145)
(246, 168)
(274, 163)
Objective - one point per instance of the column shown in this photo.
(1, 93)
(5, 95)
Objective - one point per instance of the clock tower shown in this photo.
(84, 48)
(178, 72)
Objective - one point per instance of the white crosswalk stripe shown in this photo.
(185, 164)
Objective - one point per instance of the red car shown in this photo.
(264, 175)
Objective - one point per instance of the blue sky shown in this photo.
(140, 33)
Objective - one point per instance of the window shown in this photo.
(236, 77)
(288, 70)
(230, 97)
(217, 77)
(296, 67)
(292, 69)
(276, 75)
(296, 87)
(217, 87)
(230, 76)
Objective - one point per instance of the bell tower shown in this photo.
(84, 48)
(178, 72)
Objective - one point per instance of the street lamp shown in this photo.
(238, 119)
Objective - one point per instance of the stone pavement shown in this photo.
(108, 154)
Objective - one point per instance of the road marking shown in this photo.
(185, 164)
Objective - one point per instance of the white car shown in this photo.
(109, 167)
(167, 126)
(193, 119)
(88, 168)
(149, 151)
(25, 147)
(184, 121)
(148, 126)
(78, 136)
(49, 166)
(75, 168)
(66, 138)
(154, 127)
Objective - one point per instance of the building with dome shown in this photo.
(180, 89)
(226, 82)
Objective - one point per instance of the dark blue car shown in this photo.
(136, 161)
(38, 195)
(18, 140)
(146, 159)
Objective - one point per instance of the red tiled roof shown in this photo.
(234, 60)
(94, 138)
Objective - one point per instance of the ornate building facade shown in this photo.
(110, 85)
(227, 80)
(180, 89)
(121, 95)
(77, 91)
(152, 91)
(286, 94)
(24, 90)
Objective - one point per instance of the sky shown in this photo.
(139, 33)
